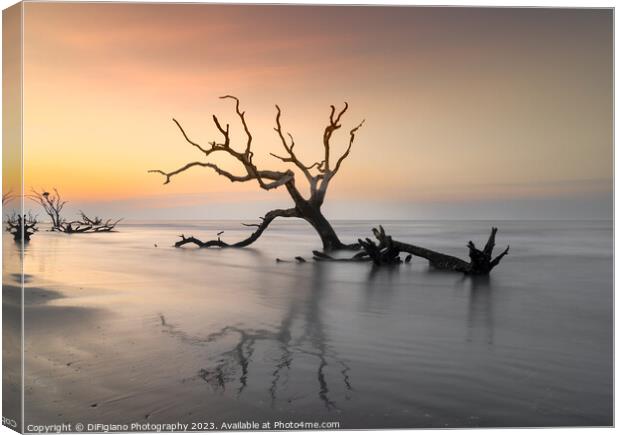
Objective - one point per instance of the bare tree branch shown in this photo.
(266, 220)
(213, 166)
(253, 173)
(324, 168)
(329, 130)
(289, 149)
(307, 209)
(346, 153)
(245, 125)
(497, 259)
(52, 203)
(207, 152)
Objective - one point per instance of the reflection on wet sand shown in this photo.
(233, 365)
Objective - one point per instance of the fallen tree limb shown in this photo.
(88, 225)
(481, 262)
(387, 252)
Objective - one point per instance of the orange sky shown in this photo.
(460, 104)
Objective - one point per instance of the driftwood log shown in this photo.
(88, 225)
(387, 252)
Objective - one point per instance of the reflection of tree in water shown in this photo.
(240, 355)
(480, 311)
(233, 365)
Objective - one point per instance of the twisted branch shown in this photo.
(346, 153)
(308, 209)
(245, 125)
(329, 130)
(245, 158)
(265, 221)
(289, 149)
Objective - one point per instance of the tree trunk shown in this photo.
(313, 215)
(306, 210)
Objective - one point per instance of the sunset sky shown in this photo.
(470, 113)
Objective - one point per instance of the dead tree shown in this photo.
(318, 175)
(17, 225)
(52, 203)
(387, 252)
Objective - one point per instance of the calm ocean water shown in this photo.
(124, 328)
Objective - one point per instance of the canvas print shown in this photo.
(279, 217)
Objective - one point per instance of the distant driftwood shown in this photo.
(88, 225)
(53, 204)
(387, 252)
